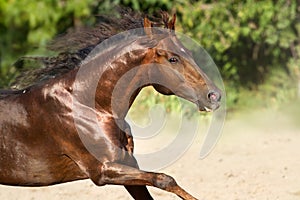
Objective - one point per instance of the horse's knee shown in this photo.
(164, 181)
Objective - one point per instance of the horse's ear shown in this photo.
(171, 23)
(147, 26)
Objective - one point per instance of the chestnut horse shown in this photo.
(50, 135)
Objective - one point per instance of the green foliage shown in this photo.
(26, 26)
(246, 38)
(250, 41)
(275, 91)
(254, 43)
(146, 5)
(149, 97)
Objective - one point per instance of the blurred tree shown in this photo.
(26, 26)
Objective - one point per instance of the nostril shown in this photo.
(214, 96)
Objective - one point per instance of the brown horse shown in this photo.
(52, 133)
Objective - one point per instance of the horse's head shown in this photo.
(174, 70)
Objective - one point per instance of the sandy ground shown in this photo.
(257, 158)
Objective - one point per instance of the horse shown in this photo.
(51, 133)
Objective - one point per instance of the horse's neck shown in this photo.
(120, 83)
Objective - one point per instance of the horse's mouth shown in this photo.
(205, 108)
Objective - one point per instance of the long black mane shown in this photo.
(75, 46)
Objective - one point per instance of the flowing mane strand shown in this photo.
(75, 46)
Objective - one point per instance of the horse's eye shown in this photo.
(173, 60)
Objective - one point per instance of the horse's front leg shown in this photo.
(118, 174)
